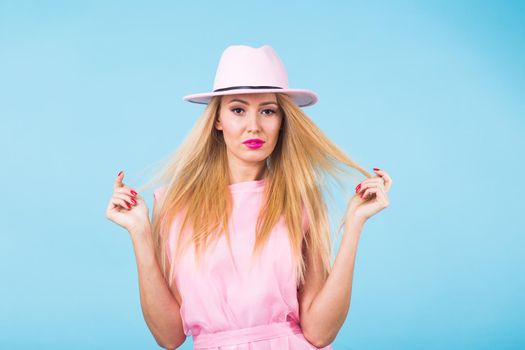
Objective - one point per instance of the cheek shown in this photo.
(274, 129)
(231, 131)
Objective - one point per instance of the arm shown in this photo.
(323, 303)
(160, 308)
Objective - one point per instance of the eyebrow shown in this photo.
(246, 103)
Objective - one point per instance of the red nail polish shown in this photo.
(133, 200)
(133, 193)
(119, 173)
(377, 169)
(129, 206)
(357, 188)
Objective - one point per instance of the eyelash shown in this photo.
(268, 109)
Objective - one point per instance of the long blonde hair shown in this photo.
(196, 179)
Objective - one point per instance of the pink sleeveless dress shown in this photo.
(226, 306)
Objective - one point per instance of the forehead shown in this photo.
(251, 98)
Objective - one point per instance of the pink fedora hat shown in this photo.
(244, 69)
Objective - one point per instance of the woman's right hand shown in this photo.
(127, 208)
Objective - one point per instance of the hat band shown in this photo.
(247, 87)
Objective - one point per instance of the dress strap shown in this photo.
(245, 335)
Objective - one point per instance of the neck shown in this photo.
(243, 172)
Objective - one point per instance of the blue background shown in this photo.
(431, 91)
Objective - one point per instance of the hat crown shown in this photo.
(242, 65)
(244, 69)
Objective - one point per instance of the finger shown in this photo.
(368, 192)
(119, 202)
(127, 190)
(128, 198)
(373, 186)
(118, 181)
(387, 179)
(379, 193)
(378, 184)
(363, 184)
(368, 184)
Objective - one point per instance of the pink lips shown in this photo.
(254, 143)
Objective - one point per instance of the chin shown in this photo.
(254, 159)
(259, 157)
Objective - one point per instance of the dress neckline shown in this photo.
(248, 186)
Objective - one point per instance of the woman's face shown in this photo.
(244, 117)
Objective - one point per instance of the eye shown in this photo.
(235, 109)
(269, 110)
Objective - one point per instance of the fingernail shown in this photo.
(129, 206)
(119, 173)
(357, 188)
(377, 169)
(133, 200)
(133, 193)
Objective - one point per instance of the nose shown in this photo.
(253, 122)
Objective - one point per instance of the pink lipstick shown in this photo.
(254, 143)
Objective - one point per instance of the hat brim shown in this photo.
(301, 97)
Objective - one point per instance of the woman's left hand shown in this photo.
(371, 196)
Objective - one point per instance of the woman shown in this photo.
(245, 192)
